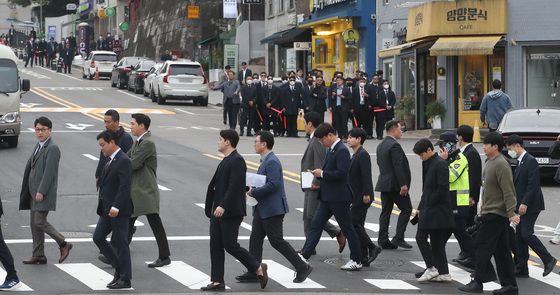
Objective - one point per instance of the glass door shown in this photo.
(473, 82)
(427, 66)
(543, 79)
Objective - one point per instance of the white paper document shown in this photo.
(255, 180)
(306, 179)
(250, 201)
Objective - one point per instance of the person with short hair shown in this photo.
(244, 73)
(362, 106)
(387, 100)
(318, 98)
(230, 100)
(494, 106)
(291, 103)
(12, 280)
(340, 105)
(465, 135)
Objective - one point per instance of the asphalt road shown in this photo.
(186, 138)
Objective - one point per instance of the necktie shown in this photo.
(292, 87)
(361, 95)
(37, 151)
(105, 168)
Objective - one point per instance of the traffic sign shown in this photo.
(110, 11)
(193, 12)
(123, 26)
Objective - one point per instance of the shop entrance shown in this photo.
(426, 86)
(543, 79)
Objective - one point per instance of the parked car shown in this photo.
(149, 81)
(119, 76)
(137, 75)
(539, 128)
(100, 61)
(182, 80)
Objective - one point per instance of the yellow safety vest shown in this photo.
(459, 179)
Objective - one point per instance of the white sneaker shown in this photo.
(442, 278)
(351, 265)
(555, 240)
(429, 274)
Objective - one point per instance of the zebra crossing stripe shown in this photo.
(391, 284)
(374, 227)
(552, 279)
(285, 276)
(462, 276)
(23, 287)
(244, 225)
(88, 274)
(185, 274)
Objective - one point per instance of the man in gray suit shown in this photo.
(313, 158)
(38, 192)
(231, 100)
(224, 79)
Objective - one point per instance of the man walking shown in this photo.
(393, 183)
(335, 197)
(268, 214)
(114, 209)
(39, 192)
(313, 158)
(30, 47)
(530, 202)
(231, 100)
(465, 137)
(362, 187)
(497, 212)
(494, 106)
(145, 191)
(12, 281)
(225, 206)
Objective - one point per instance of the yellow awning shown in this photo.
(455, 46)
(395, 50)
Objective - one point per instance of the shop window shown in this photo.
(543, 78)
(408, 77)
(426, 86)
(472, 78)
(497, 68)
(388, 71)
(321, 51)
(270, 8)
(291, 5)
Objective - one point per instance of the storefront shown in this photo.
(342, 31)
(289, 50)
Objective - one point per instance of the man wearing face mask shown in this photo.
(291, 103)
(362, 107)
(307, 90)
(378, 108)
(318, 97)
(385, 101)
(271, 101)
(259, 104)
(248, 106)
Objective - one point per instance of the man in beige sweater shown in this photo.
(496, 214)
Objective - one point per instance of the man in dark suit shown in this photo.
(377, 106)
(464, 139)
(362, 187)
(270, 95)
(12, 281)
(30, 47)
(225, 206)
(291, 103)
(268, 213)
(318, 98)
(340, 103)
(307, 89)
(530, 202)
(394, 184)
(11, 36)
(51, 51)
(335, 197)
(248, 113)
(114, 209)
(387, 98)
(244, 73)
(68, 57)
(362, 106)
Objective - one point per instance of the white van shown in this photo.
(11, 89)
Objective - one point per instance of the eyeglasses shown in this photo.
(41, 130)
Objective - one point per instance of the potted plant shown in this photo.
(435, 112)
(404, 111)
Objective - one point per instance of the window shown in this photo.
(193, 70)
(280, 6)
(8, 76)
(270, 8)
(104, 57)
(291, 5)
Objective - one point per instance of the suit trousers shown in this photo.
(388, 200)
(525, 238)
(39, 227)
(465, 241)
(120, 254)
(223, 236)
(29, 58)
(7, 259)
(272, 228)
(364, 118)
(231, 110)
(159, 233)
(310, 205)
(433, 252)
(379, 124)
(341, 211)
(340, 121)
(359, 213)
(492, 240)
(291, 125)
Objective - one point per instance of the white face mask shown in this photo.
(362, 84)
(249, 82)
(292, 83)
(512, 154)
(386, 86)
(270, 82)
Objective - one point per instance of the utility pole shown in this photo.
(249, 21)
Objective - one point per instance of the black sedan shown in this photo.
(137, 75)
(539, 128)
(119, 75)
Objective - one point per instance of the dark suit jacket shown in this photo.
(291, 100)
(124, 141)
(387, 100)
(227, 188)
(334, 185)
(528, 185)
(306, 91)
(435, 206)
(356, 97)
(361, 180)
(373, 91)
(248, 94)
(115, 187)
(317, 99)
(475, 171)
(345, 101)
(272, 96)
(248, 73)
(271, 196)
(394, 170)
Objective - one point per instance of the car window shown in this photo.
(193, 70)
(146, 65)
(164, 69)
(8, 76)
(546, 120)
(130, 61)
(105, 57)
(89, 56)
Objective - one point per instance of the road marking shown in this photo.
(91, 157)
(461, 276)
(197, 128)
(71, 88)
(126, 93)
(80, 126)
(284, 276)
(28, 105)
(34, 74)
(214, 128)
(96, 111)
(186, 112)
(552, 279)
(244, 225)
(23, 286)
(88, 274)
(72, 77)
(163, 188)
(185, 274)
(391, 284)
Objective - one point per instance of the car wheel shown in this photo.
(113, 83)
(160, 99)
(12, 141)
(203, 102)
(138, 90)
(153, 95)
(145, 92)
(84, 75)
(119, 85)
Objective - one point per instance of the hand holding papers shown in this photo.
(307, 180)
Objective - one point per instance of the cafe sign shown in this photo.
(457, 18)
(321, 4)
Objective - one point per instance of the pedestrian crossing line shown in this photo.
(91, 157)
(23, 287)
(462, 276)
(244, 225)
(374, 227)
(391, 284)
(88, 274)
(552, 279)
(185, 274)
(163, 188)
(285, 276)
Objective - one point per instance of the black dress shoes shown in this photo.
(401, 243)
(104, 259)
(160, 262)
(264, 276)
(507, 290)
(248, 277)
(303, 274)
(120, 284)
(115, 279)
(388, 245)
(467, 262)
(522, 273)
(373, 253)
(549, 267)
(214, 287)
(472, 287)
(36, 260)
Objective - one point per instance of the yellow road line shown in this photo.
(95, 110)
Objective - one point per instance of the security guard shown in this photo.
(459, 187)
